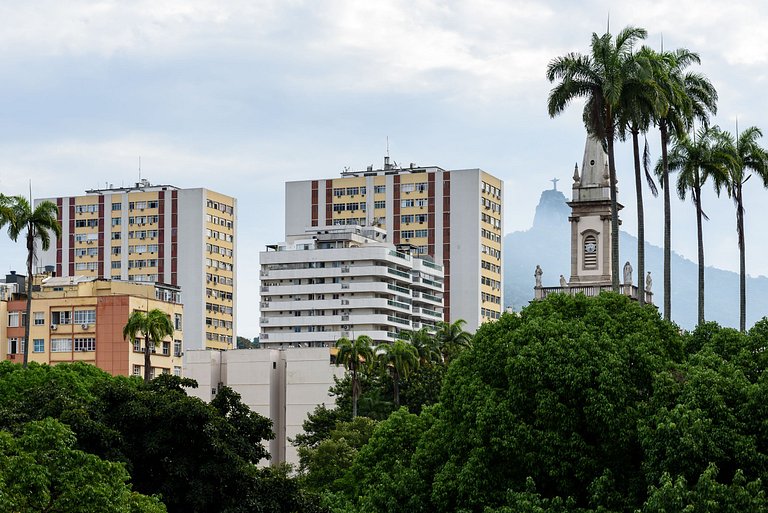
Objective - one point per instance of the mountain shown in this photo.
(547, 243)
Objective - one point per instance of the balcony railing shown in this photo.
(630, 291)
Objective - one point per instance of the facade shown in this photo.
(157, 234)
(455, 217)
(345, 281)
(284, 386)
(591, 245)
(81, 319)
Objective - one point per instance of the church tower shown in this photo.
(591, 219)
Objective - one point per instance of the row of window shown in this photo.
(213, 307)
(413, 218)
(487, 250)
(219, 235)
(137, 234)
(86, 223)
(67, 345)
(137, 371)
(489, 314)
(492, 190)
(361, 221)
(411, 187)
(218, 221)
(496, 284)
(212, 248)
(91, 208)
(218, 294)
(140, 220)
(87, 266)
(227, 266)
(348, 191)
(221, 207)
(490, 266)
(216, 279)
(86, 237)
(351, 207)
(491, 205)
(165, 347)
(488, 234)
(406, 203)
(137, 205)
(81, 252)
(407, 234)
(216, 337)
(218, 323)
(496, 223)
(140, 248)
(490, 298)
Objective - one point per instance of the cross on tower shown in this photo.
(554, 183)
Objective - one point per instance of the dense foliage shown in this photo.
(578, 404)
(194, 456)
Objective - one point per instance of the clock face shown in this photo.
(590, 247)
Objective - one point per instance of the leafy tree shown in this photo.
(399, 359)
(425, 344)
(600, 78)
(155, 325)
(42, 470)
(748, 157)
(451, 338)
(705, 157)
(38, 222)
(354, 354)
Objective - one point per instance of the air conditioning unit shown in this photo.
(84, 326)
(54, 327)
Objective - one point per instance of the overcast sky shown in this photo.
(241, 96)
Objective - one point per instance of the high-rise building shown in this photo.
(157, 234)
(453, 216)
(81, 319)
(345, 281)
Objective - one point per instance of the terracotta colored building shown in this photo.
(81, 318)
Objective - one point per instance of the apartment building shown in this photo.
(453, 216)
(345, 281)
(81, 319)
(157, 234)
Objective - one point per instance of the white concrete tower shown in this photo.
(591, 219)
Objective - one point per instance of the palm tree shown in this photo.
(400, 358)
(747, 156)
(451, 338)
(155, 325)
(353, 354)
(707, 156)
(685, 98)
(600, 78)
(38, 222)
(424, 343)
(640, 99)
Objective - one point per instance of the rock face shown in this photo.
(547, 243)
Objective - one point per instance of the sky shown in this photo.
(241, 96)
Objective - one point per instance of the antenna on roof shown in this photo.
(387, 146)
(139, 167)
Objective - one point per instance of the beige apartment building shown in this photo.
(453, 216)
(157, 234)
(81, 319)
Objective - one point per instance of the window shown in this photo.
(39, 318)
(166, 349)
(406, 218)
(406, 203)
(16, 345)
(13, 319)
(117, 206)
(380, 204)
(39, 345)
(176, 370)
(115, 264)
(136, 345)
(177, 321)
(63, 317)
(590, 251)
(177, 348)
(421, 233)
(85, 344)
(85, 316)
(379, 189)
(116, 236)
(406, 234)
(61, 345)
(116, 221)
(116, 250)
(407, 187)
(137, 370)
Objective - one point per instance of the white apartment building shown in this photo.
(453, 216)
(345, 281)
(157, 234)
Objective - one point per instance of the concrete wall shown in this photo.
(191, 270)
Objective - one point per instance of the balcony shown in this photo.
(591, 291)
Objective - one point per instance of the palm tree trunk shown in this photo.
(614, 214)
(30, 258)
(354, 392)
(396, 387)
(147, 361)
(700, 237)
(742, 261)
(640, 221)
(667, 224)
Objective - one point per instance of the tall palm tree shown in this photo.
(640, 99)
(707, 156)
(155, 325)
(686, 97)
(400, 358)
(424, 343)
(451, 338)
(39, 222)
(600, 78)
(353, 354)
(748, 155)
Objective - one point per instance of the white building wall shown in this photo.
(298, 205)
(191, 267)
(465, 247)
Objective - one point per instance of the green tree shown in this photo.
(685, 97)
(451, 338)
(155, 325)
(705, 157)
(38, 222)
(399, 359)
(42, 470)
(425, 344)
(354, 354)
(600, 78)
(749, 156)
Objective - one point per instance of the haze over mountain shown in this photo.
(547, 243)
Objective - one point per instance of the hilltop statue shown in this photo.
(627, 273)
(537, 275)
(648, 282)
(563, 283)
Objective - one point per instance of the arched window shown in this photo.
(590, 251)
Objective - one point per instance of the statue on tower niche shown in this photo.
(537, 275)
(648, 282)
(627, 273)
